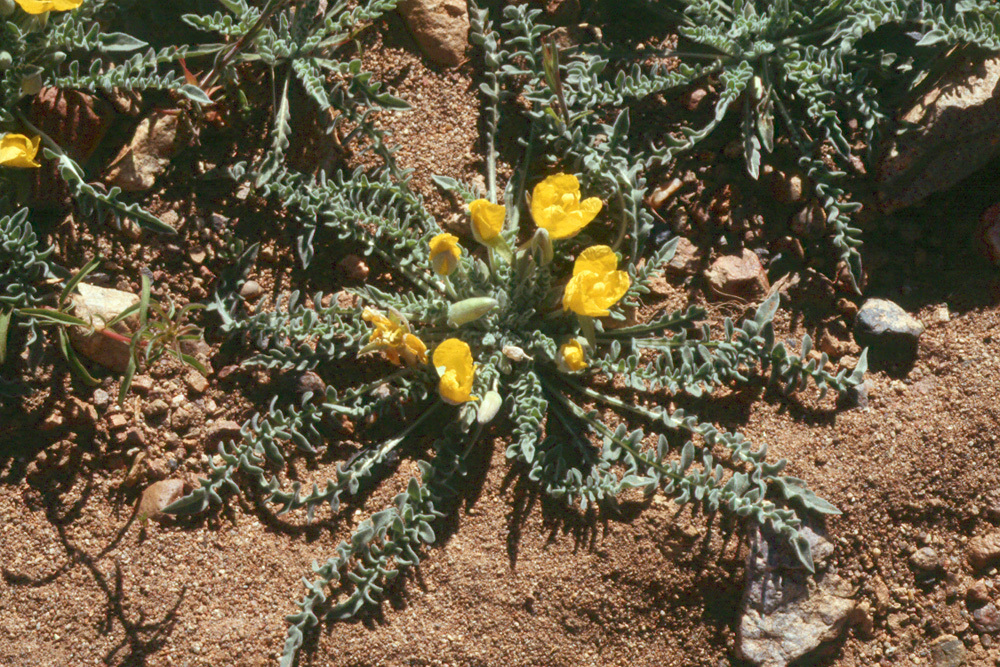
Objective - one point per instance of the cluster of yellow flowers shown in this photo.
(595, 286)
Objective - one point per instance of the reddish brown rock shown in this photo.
(157, 496)
(740, 276)
(441, 28)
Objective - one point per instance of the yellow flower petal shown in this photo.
(596, 285)
(393, 339)
(42, 6)
(487, 220)
(556, 206)
(17, 150)
(571, 356)
(598, 259)
(453, 360)
(445, 253)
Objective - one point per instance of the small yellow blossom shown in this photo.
(17, 150)
(487, 220)
(42, 6)
(453, 360)
(571, 357)
(392, 338)
(596, 285)
(445, 253)
(556, 206)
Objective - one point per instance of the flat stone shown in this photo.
(147, 155)
(157, 496)
(222, 429)
(686, 260)
(142, 384)
(983, 551)
(441, 28)
(116, 422)
(786, 612)
(883, 324)
(739, 276)
(947, 651)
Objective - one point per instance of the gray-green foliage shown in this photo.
(24, 266)
(302, 46)
(803, 72)
(553, 417)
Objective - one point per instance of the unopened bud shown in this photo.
(489, 407)
(5, 59)
(541, 245)
(6, 8)
(470, 310)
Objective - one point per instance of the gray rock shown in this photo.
(983, 551)
(947, 651)
(787, 613)
(740, 276)
(441, 28)
(251, 290)
(101, 398)
(987, 618)
(925, 561)
(959, 132)
(883, 324)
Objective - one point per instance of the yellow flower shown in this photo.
(571, 357)
(392, 338)
(42, 6)
(445, 253)
(17, 150)
(556, 206)
(596, 285)
(487, 220)
(453, 360)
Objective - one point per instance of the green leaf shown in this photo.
(54, 317)
(74, 361)
(5, 317)
(118, 41)
(196, 94)
(75, 280)
(794, 489)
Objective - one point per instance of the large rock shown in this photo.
(786, 612)
(959, 121)
(98, 305)
(157, 496)
(441, 28)
(883, 324)
(741, 276)
(947, 651)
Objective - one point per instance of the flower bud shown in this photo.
(5, 59)
(541, 244)
(469, 310)
(6, 8)
(489, 407)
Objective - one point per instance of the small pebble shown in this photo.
(251, 290)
